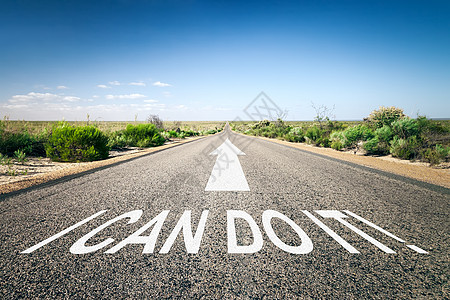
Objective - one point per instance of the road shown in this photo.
(280, 250)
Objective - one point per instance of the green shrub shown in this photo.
(357, 133)
(172, 134)
(195, 133)
(376, 146)
(20, 156)
(30, 144)
(436, 155)
(84, 143)
(405, 128)
(260, 124)
(431, 127)
(292, 138)
(384, 134)
(337, 140)
(380, 144)
(117, 140)
(165, 135)
(335, 126)
(405, 148)
(317, 136)
(210, 131)
(324, 141)
(294, 135)
(337, 145)
(313, 134)
(143, 135)
(442, 151)
(385, 116)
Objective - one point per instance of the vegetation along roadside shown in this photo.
(26, 144)
(386, 131)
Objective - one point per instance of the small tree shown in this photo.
(323, 114)
(155, 120)
(385, 116)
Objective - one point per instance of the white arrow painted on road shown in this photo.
(227, 174)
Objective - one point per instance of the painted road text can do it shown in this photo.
(193, 241)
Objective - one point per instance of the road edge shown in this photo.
(52, 178)
(437, 177)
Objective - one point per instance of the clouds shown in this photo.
(33, 97)
(111, 83)
(51, 106)
(161, 84)
(35, 102)
(137, 83)
(117, 83)
(129, 96)
(112, 107)
(108, 100)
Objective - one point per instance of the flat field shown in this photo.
(34, 127)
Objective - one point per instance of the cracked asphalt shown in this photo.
(280, 178)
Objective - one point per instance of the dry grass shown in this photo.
(35, 127)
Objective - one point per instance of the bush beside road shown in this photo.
(86, 141)
(385, 131)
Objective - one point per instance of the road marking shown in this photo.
(373, 226)
(233, 247)
(192, 243)
(227, 173)
(79, 246)
(58, 235)
(330, 232)
(417, 249)
(306, 245)
(148, 240)
(337, 215)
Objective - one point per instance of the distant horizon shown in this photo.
(93, 121)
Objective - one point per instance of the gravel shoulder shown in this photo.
(416, 170)
(41, 170)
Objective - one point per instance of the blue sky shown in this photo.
(207, 60)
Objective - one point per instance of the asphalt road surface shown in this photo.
(262, 243)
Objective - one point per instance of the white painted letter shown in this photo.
(79, 246)
(231, 231)
(337, 215)
(192, 243)
(374, 226)
(60, 234)
(333, 234)
(149, 240)
(304, 248)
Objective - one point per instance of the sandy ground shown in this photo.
(33, 166)
(34, 171)
(40, 170)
